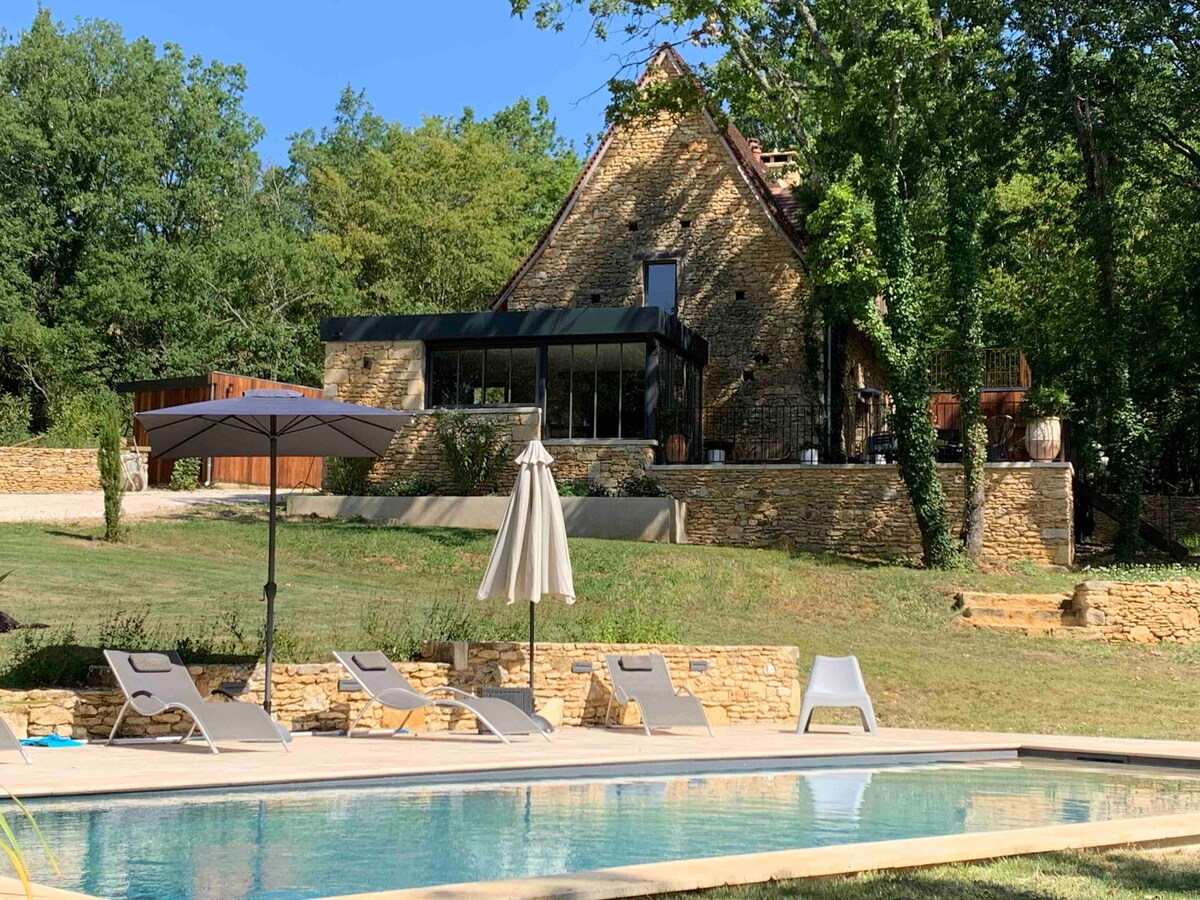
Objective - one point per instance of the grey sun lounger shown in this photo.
(157, 682)
(8, 741)
(644, 680)
(377, 676)
(836, 681)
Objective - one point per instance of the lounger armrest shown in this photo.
(221, 692)
(622, 696)
(685, 692)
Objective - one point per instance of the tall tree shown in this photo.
(435, 217)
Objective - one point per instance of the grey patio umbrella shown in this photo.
(270, 423)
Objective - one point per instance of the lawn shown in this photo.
(1085, 875)
(350, 583)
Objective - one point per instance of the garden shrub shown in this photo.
(77, 419)
(348, 476)
(638, 486)
(412, 486)
(474, 453)
(578, 487)
(185, 474)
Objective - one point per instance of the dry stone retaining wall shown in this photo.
(740, 685)
(865, 511)
(606, 463)
(46, 470)
(1166, 612)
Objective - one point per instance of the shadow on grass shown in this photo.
(1136, 873)
(74, 535)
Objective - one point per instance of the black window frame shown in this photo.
(647, 264)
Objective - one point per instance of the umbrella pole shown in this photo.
(269, 588)
(532, 607)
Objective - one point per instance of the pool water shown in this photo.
(316, 841)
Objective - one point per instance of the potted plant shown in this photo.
(673, 423)
(1043, 408)
(810, 454)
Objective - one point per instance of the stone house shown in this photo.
(667, 299)
(664, 322)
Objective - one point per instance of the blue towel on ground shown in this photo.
(51, 740)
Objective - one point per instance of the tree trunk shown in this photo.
(964, 201)
(903, 346)
(837, 392)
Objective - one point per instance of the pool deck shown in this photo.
(157, 766)
(136, 767)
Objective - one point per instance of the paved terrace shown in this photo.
(96, 768)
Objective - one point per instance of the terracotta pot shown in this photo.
(676, 449)
(1043, 438)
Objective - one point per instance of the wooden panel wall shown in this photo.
(294, 471)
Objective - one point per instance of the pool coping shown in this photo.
(684, 875)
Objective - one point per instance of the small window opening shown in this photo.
(685, 223)
(596, 298)
(632, 225)
(747, 374)
(739, 295)
(658, 285)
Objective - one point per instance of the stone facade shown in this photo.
(740, 685)
(390, 374)
(671, 188)
(864, 510)
(1162, 612)
(45, 470)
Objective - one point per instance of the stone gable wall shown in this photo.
(864, 510)
(1157, 612)
(47, 470)
(739, 281)
(390, 374)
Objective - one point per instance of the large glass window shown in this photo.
(596, 391)
(483, 377)
(658, 283)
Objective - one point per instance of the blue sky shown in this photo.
(413, 57)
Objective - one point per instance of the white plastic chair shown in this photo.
(836, 681)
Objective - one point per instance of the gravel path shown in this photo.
(89, 505)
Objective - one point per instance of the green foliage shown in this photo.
(142, 236)
(1045, 401)
(349, 476)
(635, 485)
(579, 487)
(112, 474)
(185, 474)
(412, 486)
(14, 419)
(474, 452)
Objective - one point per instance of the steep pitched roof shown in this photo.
(776, 201)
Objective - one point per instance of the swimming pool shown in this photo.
(323, 840)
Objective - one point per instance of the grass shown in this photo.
(1081, 875)
(349, 583)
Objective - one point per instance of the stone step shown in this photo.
(1013, 627)
(976, 599)
(1006, 613)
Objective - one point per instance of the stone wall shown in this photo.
(1182, 512)
(417, 452)
(604, 462)
(864, 510)
(1166, 612)
(46, 470)
(390, 374)
(669, 188)
(304, 697)
(741, 684)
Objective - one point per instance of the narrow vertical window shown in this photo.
(658, 283)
